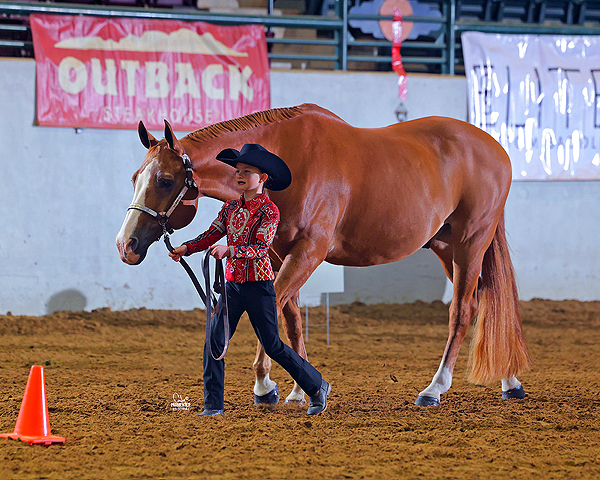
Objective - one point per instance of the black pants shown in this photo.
(258, 299)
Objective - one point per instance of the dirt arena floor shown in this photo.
(111, 378)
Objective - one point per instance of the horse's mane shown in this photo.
(247, 122)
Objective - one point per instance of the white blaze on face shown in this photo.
(131, 218)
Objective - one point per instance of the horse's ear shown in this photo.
(171, 138)
(145, 136)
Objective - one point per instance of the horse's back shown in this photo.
(456, 151)
(446, 141)
(436, 157)
(444, 134)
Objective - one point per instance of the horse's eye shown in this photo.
(165, 183)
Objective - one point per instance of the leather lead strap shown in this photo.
(215, 298)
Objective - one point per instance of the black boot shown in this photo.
(318, 402)
(207, 412)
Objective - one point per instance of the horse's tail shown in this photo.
(498, 348)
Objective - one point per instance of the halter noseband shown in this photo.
(163, 217)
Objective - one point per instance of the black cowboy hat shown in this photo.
(258, 156)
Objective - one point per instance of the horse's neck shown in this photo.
(215, 178)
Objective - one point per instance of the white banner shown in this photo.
(538, 96)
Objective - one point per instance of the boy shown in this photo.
(250, 224)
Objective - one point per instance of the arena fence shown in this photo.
(335, 43)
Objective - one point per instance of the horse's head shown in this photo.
(165, 196)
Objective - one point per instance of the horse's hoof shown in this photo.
(294, 403)
(271, 398)
(425, 401)
(518, 392)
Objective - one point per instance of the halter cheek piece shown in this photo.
(163, 217)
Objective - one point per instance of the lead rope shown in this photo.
(215, 305)
(215, 299)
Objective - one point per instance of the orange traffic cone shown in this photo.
(33, 425)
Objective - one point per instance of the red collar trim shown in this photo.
(254, 204)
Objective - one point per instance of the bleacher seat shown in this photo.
(568, 12)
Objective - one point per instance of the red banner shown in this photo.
(112, 73)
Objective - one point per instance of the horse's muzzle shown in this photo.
(127, 250)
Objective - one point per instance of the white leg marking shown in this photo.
(441, 383)
(510, 384)
(296, 395)
(263, 386)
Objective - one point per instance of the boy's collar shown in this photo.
(254, 204)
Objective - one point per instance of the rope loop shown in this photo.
(215, 298)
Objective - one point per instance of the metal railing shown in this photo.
(340, 50)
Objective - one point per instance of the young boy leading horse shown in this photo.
(250, 224)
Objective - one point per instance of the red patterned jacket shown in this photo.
(250, 228)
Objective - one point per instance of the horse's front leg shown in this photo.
(301, 261)
(266, 391)
(287, 274)
(292, 324)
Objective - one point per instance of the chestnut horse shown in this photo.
(361, 197)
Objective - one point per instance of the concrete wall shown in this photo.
(64, 196)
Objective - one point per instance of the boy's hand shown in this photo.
(178, 252)
(219, 251)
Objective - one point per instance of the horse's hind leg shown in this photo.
(441, 245)
(512, 388)
(461, 260)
